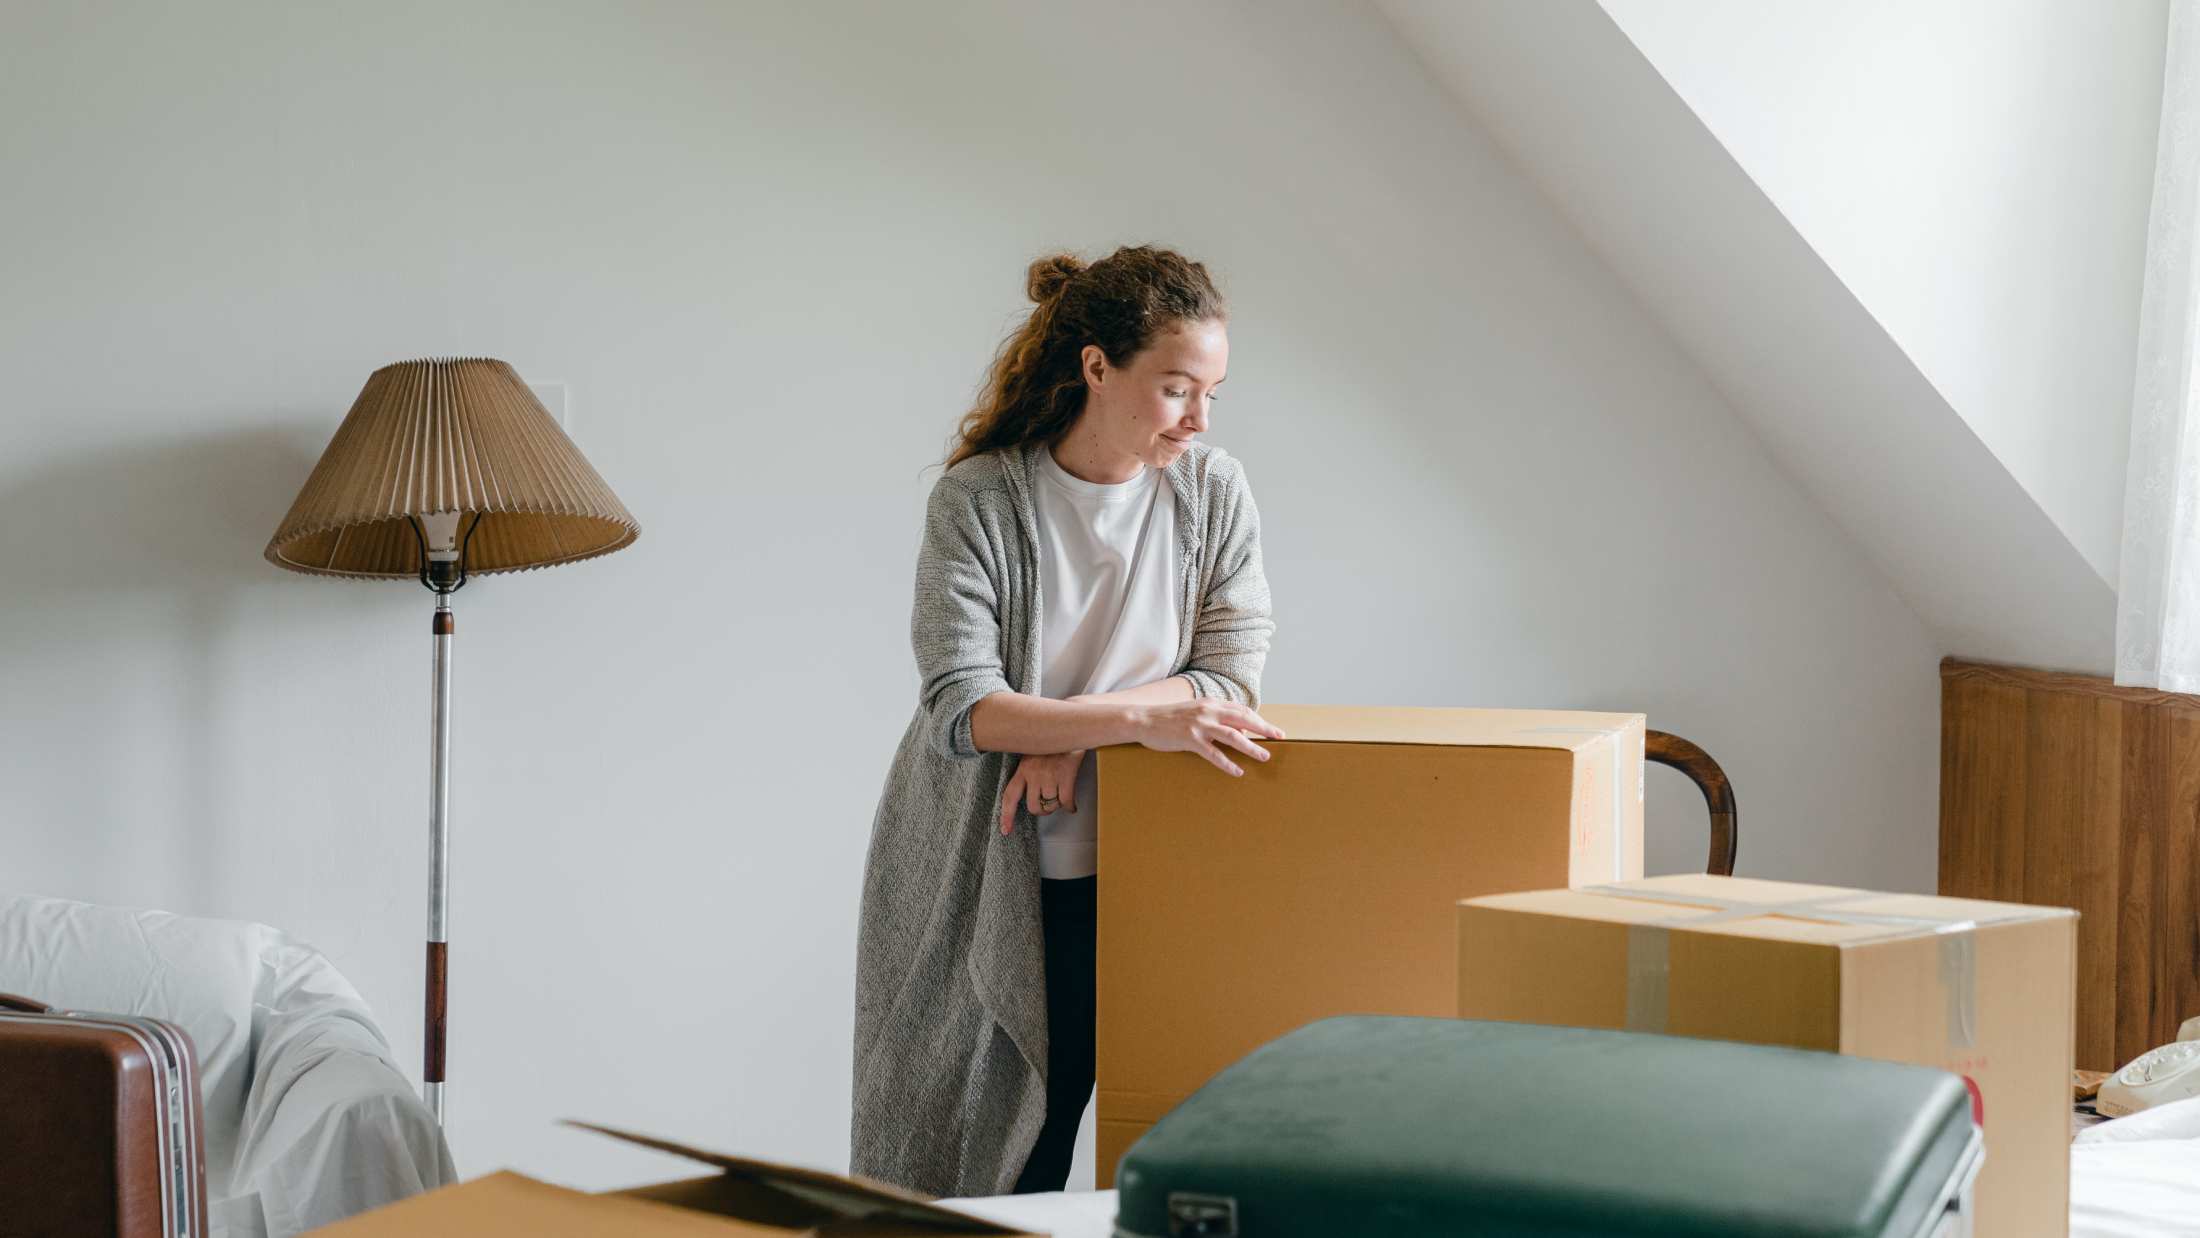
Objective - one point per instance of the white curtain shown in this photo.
(2158, 593)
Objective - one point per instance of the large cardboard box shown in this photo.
(1981, 989)
(744, 1199)
(1233, 910)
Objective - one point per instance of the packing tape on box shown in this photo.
(1649, 948)
(1619, 783)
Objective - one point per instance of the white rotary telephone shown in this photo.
(2155, 1077)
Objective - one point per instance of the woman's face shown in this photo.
(1153, 407)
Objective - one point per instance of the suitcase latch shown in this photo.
(1202, 1216)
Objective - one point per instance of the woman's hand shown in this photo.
(1205, 726)
(1044, 784)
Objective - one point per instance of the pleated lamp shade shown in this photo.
(449, 435)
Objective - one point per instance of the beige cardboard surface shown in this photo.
(1978, 988)
(1322, 882)
(1414, 724)
(760, 1199)
(507, 1203)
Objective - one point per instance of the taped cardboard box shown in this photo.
(1234, 910)
(755, 1199)
(1977, 988)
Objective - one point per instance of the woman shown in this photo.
(1090, 574)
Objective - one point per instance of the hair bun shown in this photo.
(1049, 275)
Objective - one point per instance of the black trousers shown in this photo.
(1068, 910)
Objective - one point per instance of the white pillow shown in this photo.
(2180, 1119)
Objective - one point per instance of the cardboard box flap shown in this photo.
(507, 1203)
(1481, 728)
(1827, 915)
(845, 1197)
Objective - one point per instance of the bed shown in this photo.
(2135, 1177)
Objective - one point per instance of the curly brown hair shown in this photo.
(1036, 386)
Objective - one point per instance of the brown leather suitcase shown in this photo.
(100, 1128)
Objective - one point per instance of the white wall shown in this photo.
(1837, 403)
(1978, 172)
(769, 248)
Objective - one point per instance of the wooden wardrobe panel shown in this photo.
(2175, 992)
(2067, 790)
(2145, 826)
(1982, 785)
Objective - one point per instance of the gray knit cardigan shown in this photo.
(951, 1028)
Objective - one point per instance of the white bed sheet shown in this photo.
(2138, 1177)
(1064, 1214)
(2140, 1189)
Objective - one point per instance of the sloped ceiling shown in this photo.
(1837, 401)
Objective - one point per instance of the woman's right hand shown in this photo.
(1205, 726)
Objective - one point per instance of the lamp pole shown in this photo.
(439, 863)
(443, 571)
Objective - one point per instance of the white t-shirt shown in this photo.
(1108, 568)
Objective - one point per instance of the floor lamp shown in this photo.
(445, 470)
